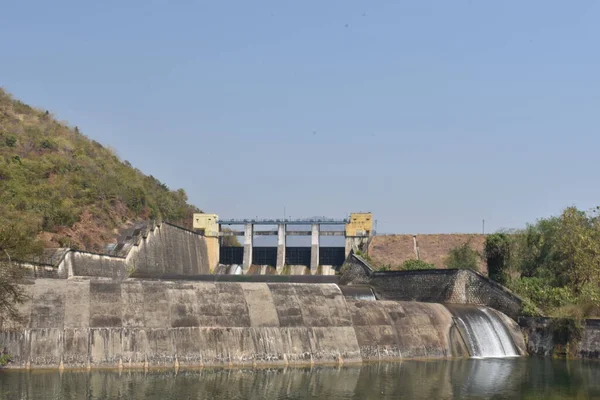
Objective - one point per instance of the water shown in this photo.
(358, 292)
(484, 332)
(509, 378)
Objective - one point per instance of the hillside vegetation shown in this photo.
(553, 264)
(69, 190)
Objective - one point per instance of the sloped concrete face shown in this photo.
(388, 330)
(141, 323)
(164, 250)
(137, 323)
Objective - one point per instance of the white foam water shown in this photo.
(485, 333)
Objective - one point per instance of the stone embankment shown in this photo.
(454, 286)
(83, 323)
(541, 339)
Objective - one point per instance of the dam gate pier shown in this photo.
(356, 230)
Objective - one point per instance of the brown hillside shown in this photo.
(393, 250)
(69, 190)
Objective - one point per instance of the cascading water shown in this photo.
(484, 332)
(358, 292)
(235, 270)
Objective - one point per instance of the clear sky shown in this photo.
(433, 115)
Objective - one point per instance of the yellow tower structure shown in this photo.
(358, 231)
(360, 224)
(208, 226)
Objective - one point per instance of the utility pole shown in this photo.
(483, 227)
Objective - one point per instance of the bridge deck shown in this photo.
(287, 233)
(286, 221)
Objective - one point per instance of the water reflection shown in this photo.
(458, 379)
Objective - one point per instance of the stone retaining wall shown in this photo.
(539, 338)
(445, 286)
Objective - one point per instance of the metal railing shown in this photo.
(288, 221)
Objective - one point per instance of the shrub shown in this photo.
(363, 255)
(4, 358)
(411, 265)
(547, 297)
(463, 257)
(47, 144)
(497, 255)
(11, 141)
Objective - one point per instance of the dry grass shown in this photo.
(434, 248)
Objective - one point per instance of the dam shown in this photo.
(81, 323)
(356, 230)
(153, 303)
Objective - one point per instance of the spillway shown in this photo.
(484, 333)
(139, 323)
(358, 292)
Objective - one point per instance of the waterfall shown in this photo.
(483, 332)
(235, 270)
(358, 292)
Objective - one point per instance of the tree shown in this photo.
(497, 254)
(559, 263)
(463, 257)
(229, 240)
(578, 248)
(16, 243)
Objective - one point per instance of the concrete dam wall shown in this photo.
(83, 323)
(148, 250)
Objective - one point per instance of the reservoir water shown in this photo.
(506, 378)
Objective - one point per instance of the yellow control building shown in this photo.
(361, 224)
(207, 224)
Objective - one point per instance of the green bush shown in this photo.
(497, 254)
(540, 293)
(4, 359)
(47, 144)
(11, 141)
(529, 309)
(411, 265)
(463, 257)
(363, 255)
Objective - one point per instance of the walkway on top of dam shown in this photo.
(286, 221)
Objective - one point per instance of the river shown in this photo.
(513, 378)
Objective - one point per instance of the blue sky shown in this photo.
(433, 115)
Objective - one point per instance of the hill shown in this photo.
(393, 250)
(69, 190)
